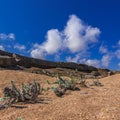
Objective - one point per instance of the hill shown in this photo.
(93, 103)
(18, 62)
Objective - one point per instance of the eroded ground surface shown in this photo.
(93, 103)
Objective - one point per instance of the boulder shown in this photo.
(6, 61)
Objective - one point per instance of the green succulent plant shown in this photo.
(27, 93)
(62, 86)
(19, 118)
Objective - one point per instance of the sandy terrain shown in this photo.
(94, 103)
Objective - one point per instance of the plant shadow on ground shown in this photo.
(39, 101)
(19, 106)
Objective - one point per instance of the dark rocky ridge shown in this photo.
(39, 66)
(32, 62)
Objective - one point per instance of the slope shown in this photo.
(94, 103)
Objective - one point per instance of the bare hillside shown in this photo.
(93, 103)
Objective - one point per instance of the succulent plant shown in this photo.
(82, 81)
(96, 83)
(19, 118)
(27, 93)
(58, 91)
(62, 86)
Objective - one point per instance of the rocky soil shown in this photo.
(93, 103)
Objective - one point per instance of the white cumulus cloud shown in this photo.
(103, 49)
(119, 42)
(117, 53)
(3, 36)
(119, 64)
(73, 59)
(106, 59)
(1, 47)
(10, 36)
(54, 41)
(19, 47)
(93, 62)
(79, 35)
(52, 45)
(73, 37)
(76, 38)
(38, 52)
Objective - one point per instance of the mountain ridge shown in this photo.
(33, 62)
(12, 60)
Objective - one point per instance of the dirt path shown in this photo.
(94, 103)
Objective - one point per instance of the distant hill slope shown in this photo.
(32, 62)
(13, 60)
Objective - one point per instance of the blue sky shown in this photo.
(82, 31)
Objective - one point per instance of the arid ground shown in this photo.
(93, 103)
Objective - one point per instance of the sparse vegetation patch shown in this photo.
(27, 93)
(62, 86)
